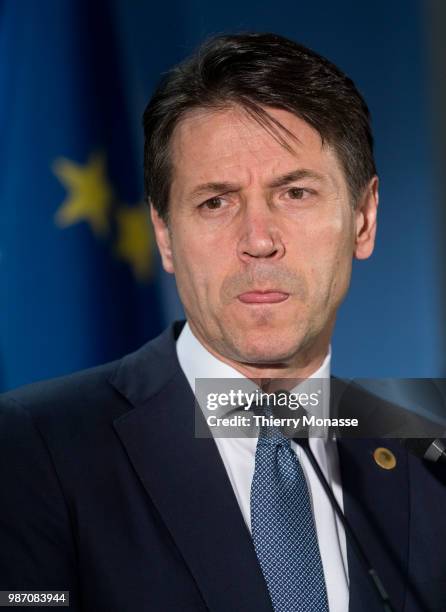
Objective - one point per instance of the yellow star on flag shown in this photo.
(134, 240)
(89, 193)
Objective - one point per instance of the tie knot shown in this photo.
(272, 435)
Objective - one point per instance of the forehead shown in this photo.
(230, 145)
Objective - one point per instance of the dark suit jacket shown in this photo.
(106, 492)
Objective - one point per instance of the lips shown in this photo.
(263, 297)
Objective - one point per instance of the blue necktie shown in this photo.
(283, 528)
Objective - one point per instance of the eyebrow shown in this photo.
(296, 175)
(214, 187)
(280, 181)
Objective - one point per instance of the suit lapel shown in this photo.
(376, 506)
(376, 503)
(186, 479)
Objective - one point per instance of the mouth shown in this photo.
(269, 296)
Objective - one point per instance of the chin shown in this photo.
(267, 347)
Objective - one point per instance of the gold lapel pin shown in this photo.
(384, 458)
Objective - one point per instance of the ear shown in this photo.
(365, 221)
(163, 240)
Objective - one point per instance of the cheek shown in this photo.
(327, 248)
(199, 268)
(323, 238)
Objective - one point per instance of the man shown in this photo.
(262, 186)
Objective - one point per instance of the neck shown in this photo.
(271, 376)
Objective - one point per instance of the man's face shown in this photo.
(260, 238)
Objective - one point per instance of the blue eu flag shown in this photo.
(79, 281)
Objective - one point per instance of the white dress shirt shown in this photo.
(238, 455)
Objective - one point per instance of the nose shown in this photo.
(260, 236)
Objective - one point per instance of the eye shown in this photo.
(214, 203)
(296, 193)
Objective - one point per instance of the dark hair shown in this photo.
(259, 71)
